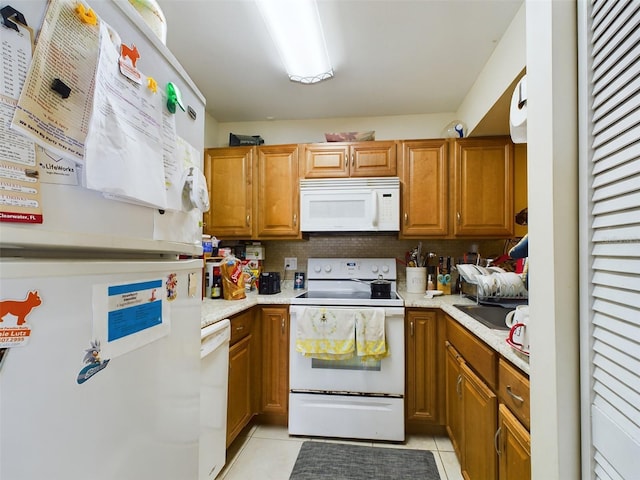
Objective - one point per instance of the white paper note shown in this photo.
(124, 149)
(67, 50)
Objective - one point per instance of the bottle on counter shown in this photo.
(216, 284)
(207, 284)
(430, 285)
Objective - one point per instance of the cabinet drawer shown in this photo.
(479, 356)
(241, 326)
(513, 391)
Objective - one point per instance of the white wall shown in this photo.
(553, 245)
(504, 65)
(210, 131)
(309, 131)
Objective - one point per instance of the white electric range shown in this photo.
(357, 397)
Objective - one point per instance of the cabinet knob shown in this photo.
(282, 326)
(353, 160)
(411, 327)
(248, 220)
(295, 219)
(406, 218)
(459, 386)
(458, 217)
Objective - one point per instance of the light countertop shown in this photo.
(216, 310)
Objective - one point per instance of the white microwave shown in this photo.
(350, 204)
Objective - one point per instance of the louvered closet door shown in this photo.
(610, 230)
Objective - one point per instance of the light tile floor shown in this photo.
(266, 452)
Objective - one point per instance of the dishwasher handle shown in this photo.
(214, 336)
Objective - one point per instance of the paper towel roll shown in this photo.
(518, 112)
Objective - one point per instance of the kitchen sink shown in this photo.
(489, 315)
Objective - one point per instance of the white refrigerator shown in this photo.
(100, 312)
(107, 384)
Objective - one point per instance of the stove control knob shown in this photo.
(327, 268)
(317, 269)
(374, 268)
(385, 268)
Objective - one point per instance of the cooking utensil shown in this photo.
(380, 288)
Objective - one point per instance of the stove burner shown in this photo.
(349, 282)
(345, 298)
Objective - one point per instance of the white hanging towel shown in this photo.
(326, 333)
(370, 337)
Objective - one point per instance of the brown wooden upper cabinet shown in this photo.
(424, 174)
(254, 192)
(277, 194)
(349, 159)
(229, 173)
(483, 176)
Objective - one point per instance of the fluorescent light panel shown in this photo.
(296, 30)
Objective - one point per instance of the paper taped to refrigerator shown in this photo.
(129, 316)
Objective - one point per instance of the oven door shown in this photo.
(378, 377)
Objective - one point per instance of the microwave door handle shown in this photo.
(374, 199)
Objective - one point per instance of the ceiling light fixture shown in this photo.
(296, 30)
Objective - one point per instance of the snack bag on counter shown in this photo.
(232, 278)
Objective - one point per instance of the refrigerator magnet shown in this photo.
(14, 331)
(129, 56)
(172, 287)
(93, 362)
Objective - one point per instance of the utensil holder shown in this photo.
(416, 279)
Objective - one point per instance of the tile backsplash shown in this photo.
(368, 246)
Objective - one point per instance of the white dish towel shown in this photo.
(370, 337)
(326, 333)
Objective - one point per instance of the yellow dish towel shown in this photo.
(326, 333)
(370, 338)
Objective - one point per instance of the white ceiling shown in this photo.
(391, 57)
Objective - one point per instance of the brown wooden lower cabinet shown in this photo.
(274, 324)
(487, 430)
(421, 341)
(239, 410)
(479, 412)
(453, 393)
(514, 447)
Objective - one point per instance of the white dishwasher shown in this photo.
(214, 352)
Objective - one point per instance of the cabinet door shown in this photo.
(424, 176)
(373, 159)
(453, 392)
(514, 391)
(421, 367)
(275, 360)
(277, 196)
(320, 160)
(483, 187)
(344, 159)
(514, 447)
(479, 423)
(239, 397)
(229, 180)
